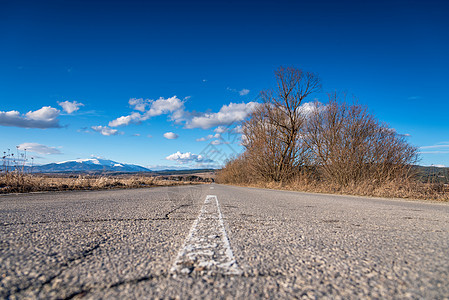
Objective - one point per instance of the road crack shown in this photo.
(84, 291)
(167, 215)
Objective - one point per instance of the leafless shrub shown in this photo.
(350, 146)
(13, 171)
(236, 171)
(332, 148)
(274, 150)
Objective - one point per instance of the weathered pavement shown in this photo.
(178, 242)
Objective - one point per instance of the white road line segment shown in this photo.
(207, 249)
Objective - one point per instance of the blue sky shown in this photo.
(70, 69)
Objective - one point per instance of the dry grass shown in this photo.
(23, 183)
(237, 172)
(394, 189)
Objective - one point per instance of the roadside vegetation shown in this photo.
(23, 183)
(15, 177)
(334, 147)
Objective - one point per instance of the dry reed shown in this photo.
(15, 182)
(405, 189)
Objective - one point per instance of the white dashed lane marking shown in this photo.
(207, 249)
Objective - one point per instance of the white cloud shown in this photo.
(150, 108)
(437, 146)
(170, 135)
(216, 142)
(234, 112)
(209, 137)
(440, 148)
(221, 129)
(38, 148)
(70, 107)
(174, 108)
(45, 114)
(45, 117)
(188, 157)
(104, 130)
(309, 107)
(238, 129)
(165, 106)
(139, 104)
(243, 92)
(126, 120)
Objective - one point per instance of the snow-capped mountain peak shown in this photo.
(88, 165)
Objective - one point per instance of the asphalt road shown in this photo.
(214, 241)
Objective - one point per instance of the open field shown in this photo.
(22, 183)
(432, 174)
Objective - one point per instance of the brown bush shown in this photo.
(350, 146)
(236, 171)
(331, 148)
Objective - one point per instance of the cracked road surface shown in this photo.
(123, 244)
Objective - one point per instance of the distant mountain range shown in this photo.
(88, 165)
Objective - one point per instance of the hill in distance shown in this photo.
(89, 165)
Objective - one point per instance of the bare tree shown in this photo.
(331, 145)
(274, 132)
(350, 146)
